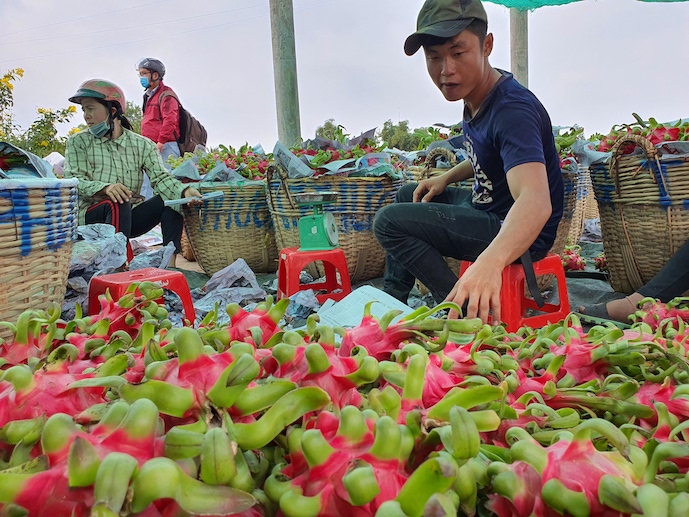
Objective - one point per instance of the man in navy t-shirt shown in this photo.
(517, 198)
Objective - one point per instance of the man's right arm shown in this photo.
(429, 188)
(460, 172)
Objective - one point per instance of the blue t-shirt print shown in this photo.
(482, 193)
(512, 128)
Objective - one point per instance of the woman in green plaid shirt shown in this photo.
(110, 160)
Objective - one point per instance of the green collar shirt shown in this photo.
(99, 162)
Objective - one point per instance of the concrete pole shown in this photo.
(519, 45)
(285, 71)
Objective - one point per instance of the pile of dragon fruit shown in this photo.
(122, 414)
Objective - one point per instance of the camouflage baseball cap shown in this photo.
(444, 18)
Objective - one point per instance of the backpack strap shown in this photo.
(167, 93)
(170, 93)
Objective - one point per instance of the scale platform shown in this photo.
(317, 231)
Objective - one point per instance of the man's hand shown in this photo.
(160, 146)
(191, 192)
(479, 285)
(117, 193)
(429, 188)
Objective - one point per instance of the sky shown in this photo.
(591, 63)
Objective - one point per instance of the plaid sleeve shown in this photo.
(77, 166)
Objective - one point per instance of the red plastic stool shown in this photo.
(513, 303)
(130, 251)
(118, 283)
(292, 262)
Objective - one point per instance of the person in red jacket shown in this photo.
(160, 115)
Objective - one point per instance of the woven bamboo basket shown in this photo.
(591, 205)
(358, 201)
(586, 207)
(570, 185)
(571, 182)
(38, 226)
(235, 226)
(576, 228)
(187, 250)
(643, 201)
(429, 169)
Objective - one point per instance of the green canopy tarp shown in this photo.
(530, 5)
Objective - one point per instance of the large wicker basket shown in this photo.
(38, 226)
(563, 230)
(237, 226)
(643, 201)
(571, 181)
(586, 206)
(417, 173)
(187, 250)
(358, 201)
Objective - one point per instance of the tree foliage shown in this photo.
(7, 124)
(332, 131)
(134, 116)
(399, 136)
(41, 137)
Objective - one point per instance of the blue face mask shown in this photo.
(144, 81)
(100, 130)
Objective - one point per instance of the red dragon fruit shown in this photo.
(583, 361)
(437, 381)
(654, 312)
(25, 394)
(33, 335)
(464, 360)
(318, 364)
(674, 398)
(420, 381)
(45, 494)
(381, 337)
(572, 260)
(575, 477)
(128, 429)
(601, 263)
(516, 490)
(257, 326)
(183, 386)
(352, 466)
(128, 313)
(664, 443)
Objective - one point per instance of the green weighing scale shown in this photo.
(317, 231)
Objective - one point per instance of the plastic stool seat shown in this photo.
(514, 304)
(118, 283)
(292, 262)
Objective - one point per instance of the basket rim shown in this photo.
(27, 183)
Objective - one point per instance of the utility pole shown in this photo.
(519, 45)
(285, 71)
